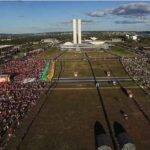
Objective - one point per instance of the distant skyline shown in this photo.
(49, 16)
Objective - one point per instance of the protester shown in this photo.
(18, 97)
(139, 69)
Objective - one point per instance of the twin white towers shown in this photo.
(76, 31)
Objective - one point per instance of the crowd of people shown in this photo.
(25, 68)
(139, 69)
(18, 97)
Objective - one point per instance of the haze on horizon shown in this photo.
(50, 16)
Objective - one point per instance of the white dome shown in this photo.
(68, 43)
(93, 38)
(97, 42)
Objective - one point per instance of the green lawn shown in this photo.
(82, 69)
(66, 120)
(99, 53)
(121, 52)
(49, 53)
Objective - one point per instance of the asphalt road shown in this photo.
(90, 79)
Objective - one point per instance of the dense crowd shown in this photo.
(18, 97)
(21, 69)
(139, 69)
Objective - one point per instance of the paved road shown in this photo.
(90, 79)
(91, 58)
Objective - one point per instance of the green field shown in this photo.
(66, 120)
(122, 52)
(100, 54)
(73, 55)
(81, 67)
(68, 116)
(52, 52)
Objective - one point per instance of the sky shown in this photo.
(51, 16)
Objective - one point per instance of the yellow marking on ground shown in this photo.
(51, 71)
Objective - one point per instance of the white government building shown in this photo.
(79, 44)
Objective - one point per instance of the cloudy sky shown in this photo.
(35, 17)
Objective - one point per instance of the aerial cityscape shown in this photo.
(74, 75)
